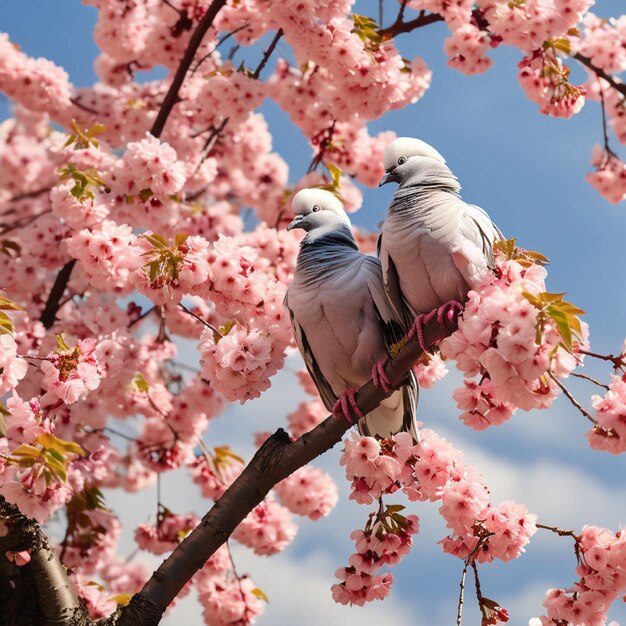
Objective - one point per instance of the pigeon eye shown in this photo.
(316, 207)
(401, 160)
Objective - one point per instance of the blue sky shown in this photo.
(527, 171)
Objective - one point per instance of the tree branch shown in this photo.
(49, 314)
(194, 43)
(277, 458)
(598, 71)
(268, 53)
(58, 603)
(400, 26)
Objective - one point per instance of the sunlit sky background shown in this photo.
(527, 171)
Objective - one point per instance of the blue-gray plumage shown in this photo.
(434, 247)
(341, 318)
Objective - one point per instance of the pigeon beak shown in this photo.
(387, 178)
(295, 222)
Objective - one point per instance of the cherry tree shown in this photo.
(137, 215)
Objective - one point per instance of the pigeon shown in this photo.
(434, 247)
(341, 319)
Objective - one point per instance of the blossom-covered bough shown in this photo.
(124, 228)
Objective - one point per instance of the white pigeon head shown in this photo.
(318, 210)
(406, 156)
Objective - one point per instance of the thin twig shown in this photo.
(24, 221)
(268, 53)
(459, 612)
(598, 71)
(559, 531)
(203, 321)
(217, 131)
(618, 361)
(469, 560)
(142, 316)
(84, 107)
(399, 27)
(194, 43)
(28, 194)
(592, 380)
(571, 398)
(607, 148)
(220, 41)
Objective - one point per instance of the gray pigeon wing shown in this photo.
(487, 231)
(393, 332)
(324, 388)
(474, 253)
(390, 318)
(391, 286)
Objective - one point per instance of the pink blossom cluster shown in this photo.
(107, 255)
(215, 473)
(370, 469)
(308, 491)
(545, 80)
(149, 165)
(39, 84)
(267, 529)
(609, 432)
(169, 531)
(528, 25)
(12, 368)
(431, 470)
(183, 268)
(601, 582)
(466, 50)
(496, 347)
(34, 490)
(240, 361)
(306, 417)
(71, 373)
(429, 370)
(602, 41)
(609, 179)
(379, 545)
(92, 541)
(229, 600)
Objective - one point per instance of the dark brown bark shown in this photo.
(171, 97)
(53, 303)
(39, 592)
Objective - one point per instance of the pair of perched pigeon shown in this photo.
(348, 308)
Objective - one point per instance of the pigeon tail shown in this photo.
(394, 414)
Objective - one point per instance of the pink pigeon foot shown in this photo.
(445, 315)
(347, 407)
(379, 377)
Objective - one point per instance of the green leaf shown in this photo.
(141, 383)
(180, 238)
(6, 324)
(260, 595)
(562, 324)
(94, 499)
(146, 194)
(27, 451)
(122, 598)
(8, 304)
(222, 452)
(50, 442)
(224, 330)
(10, 248)
(157, 241)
